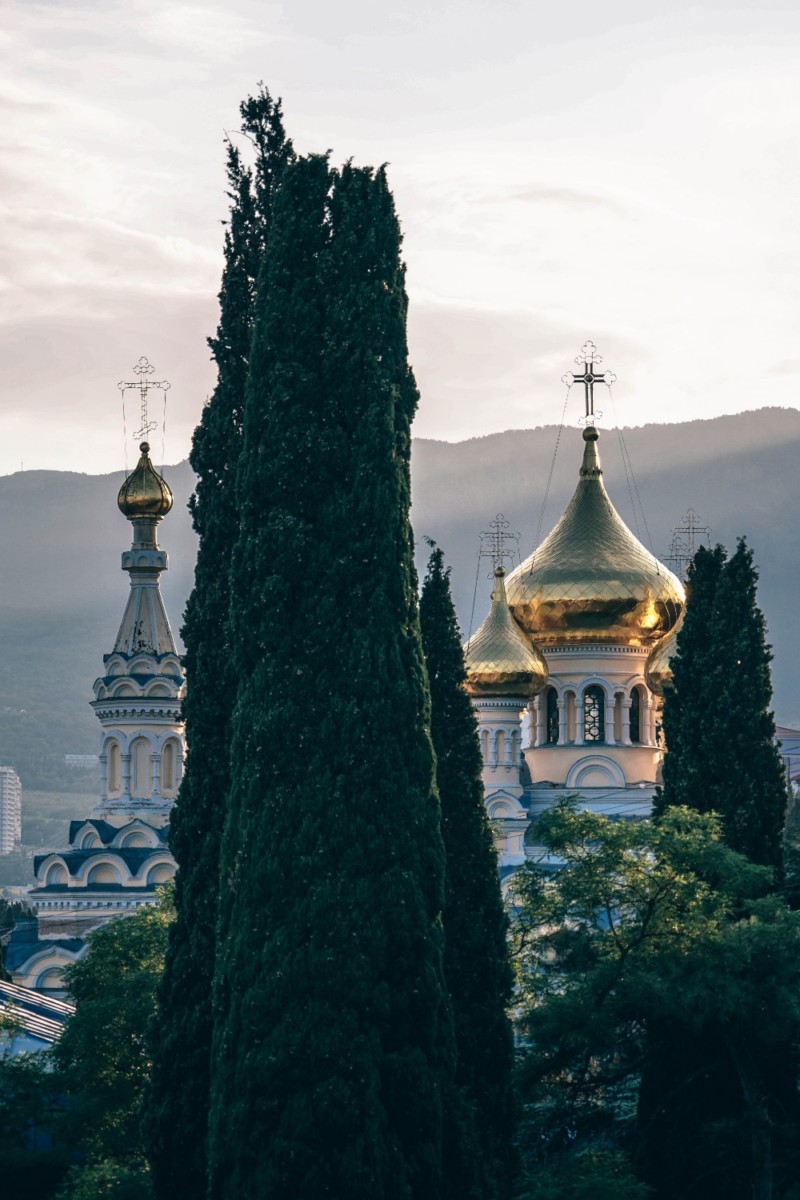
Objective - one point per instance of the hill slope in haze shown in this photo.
(61, 537)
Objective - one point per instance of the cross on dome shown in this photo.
(589, 359)
(143, 384)
(494, 542)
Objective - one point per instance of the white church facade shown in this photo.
(566, 672)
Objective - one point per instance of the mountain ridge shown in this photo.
(61, 537)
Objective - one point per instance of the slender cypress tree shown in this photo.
(477, 967)
(177, 1111)
(717, 721)
(333, 1033)
(715, 1121)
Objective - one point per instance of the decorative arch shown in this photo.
(103, 872)
(164, 859)
(595, 770)
(89, 870)
(56, 874)
(138, 834)
(160, 874)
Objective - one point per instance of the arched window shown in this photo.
(500, 748)
(485, 745)
(514, 748)
(551, 717)
(594, 714)
(141, 784)
(169, 780)
(114, 767)
(636, 715)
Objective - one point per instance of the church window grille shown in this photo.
(636, 716)
(551, 717)
(594, 714)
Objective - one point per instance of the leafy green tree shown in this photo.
(717, 721)
(477, 968)
(333, 1039)
(178, 1100)
(33, 1159)
(652, 924)
(103, 1058)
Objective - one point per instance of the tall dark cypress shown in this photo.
(177, 1111)
(477, 967)
(333, 1030)
(707, 1127)
(717, 721)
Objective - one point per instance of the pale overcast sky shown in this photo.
(627, 172)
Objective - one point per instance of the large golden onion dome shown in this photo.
(500, 660)
(144, 493)
(658, 669)
(591, 580)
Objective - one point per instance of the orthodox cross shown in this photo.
(143, 370)
(684, 542)
(588, 359)
(494, 542)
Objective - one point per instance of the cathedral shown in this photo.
(118, 855)
(566, 673)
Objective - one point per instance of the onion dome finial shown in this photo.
(500, 660)
(144, 493)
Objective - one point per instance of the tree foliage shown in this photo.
(333, 1036)
(103, 1058)
(477, 968)
(646, 925)
(178, 1102)
(717, 721)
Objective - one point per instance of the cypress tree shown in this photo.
(717, 722)
(477, 967)
(715, 1120)
(177, 1109)
(333, 1034)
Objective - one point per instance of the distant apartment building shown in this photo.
(10, 810)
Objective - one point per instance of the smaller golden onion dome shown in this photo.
(500, 660)
(144, 493)
(658, 668)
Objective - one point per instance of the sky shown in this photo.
(623, 172)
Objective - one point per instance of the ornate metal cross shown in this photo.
(494, 542)
(588, 359)
(143, 369)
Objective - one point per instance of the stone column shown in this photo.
(579, 720)
(125, 793)
(626, 722)
(609, 721)
(562, 720)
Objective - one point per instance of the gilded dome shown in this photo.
(144, 493)
(500, 660)
(658, 669)
(591, 580)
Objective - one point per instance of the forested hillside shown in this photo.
(61, 537)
